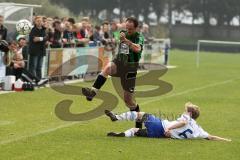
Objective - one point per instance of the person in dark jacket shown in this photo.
(56, 40)
(37, 47)
(96, 37)
(68, 36)
(3, 29)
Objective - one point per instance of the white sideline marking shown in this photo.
(171, 67)
(190, 90)
(6, 92)
(144, 103)
(4, 123)
(38, 133)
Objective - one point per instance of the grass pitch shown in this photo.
(30, 130)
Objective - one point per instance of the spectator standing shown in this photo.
(107, 40)
(49, 30)
(167, 46)
(3, 36)
(3, 29)
(106, 31)
(56, 39)
(145, 33)
(80, 41)
(84, 31)
(115, 32)
(71, 21)
(37, 48)
(68, 35)
(96, 37)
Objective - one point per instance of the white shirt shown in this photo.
(190, 131)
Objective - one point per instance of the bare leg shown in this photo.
(129, 100)
(110, 69)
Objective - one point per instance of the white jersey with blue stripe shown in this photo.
(190, 131)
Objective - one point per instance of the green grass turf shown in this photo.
(30, 130)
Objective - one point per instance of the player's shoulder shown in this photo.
(139, 34)
(185, 117)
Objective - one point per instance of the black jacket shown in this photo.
(37, 48)
(56, 39)
(69, 36)
(3, 33)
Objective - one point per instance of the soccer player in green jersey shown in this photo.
(124, 66)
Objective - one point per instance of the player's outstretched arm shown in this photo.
(216, 138)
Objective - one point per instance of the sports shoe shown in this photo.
(111, 115)
(42, 82)
(89, 93)
(112, 134)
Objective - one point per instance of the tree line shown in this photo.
(222, 10)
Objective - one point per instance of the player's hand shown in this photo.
(228, 140)
(64, 40)
(123, 36)
(124, 39)
(48, 43)
(36, 39)
(167, 133)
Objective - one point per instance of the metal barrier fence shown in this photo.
(74, 61)
(80, 61)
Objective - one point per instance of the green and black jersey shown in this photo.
(127, 63)
(136, 38)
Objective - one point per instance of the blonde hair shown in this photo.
(193, 109)
(86, 19)
(77, 26)
(38, 17)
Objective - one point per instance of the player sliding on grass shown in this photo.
(184, 127)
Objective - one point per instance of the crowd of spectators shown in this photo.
(58, 32)
(66, 32)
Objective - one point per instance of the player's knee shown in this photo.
(140, 115)
(109, 69)
(106, 71)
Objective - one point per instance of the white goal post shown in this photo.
(211, 42)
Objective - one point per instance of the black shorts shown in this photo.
(127, 72)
